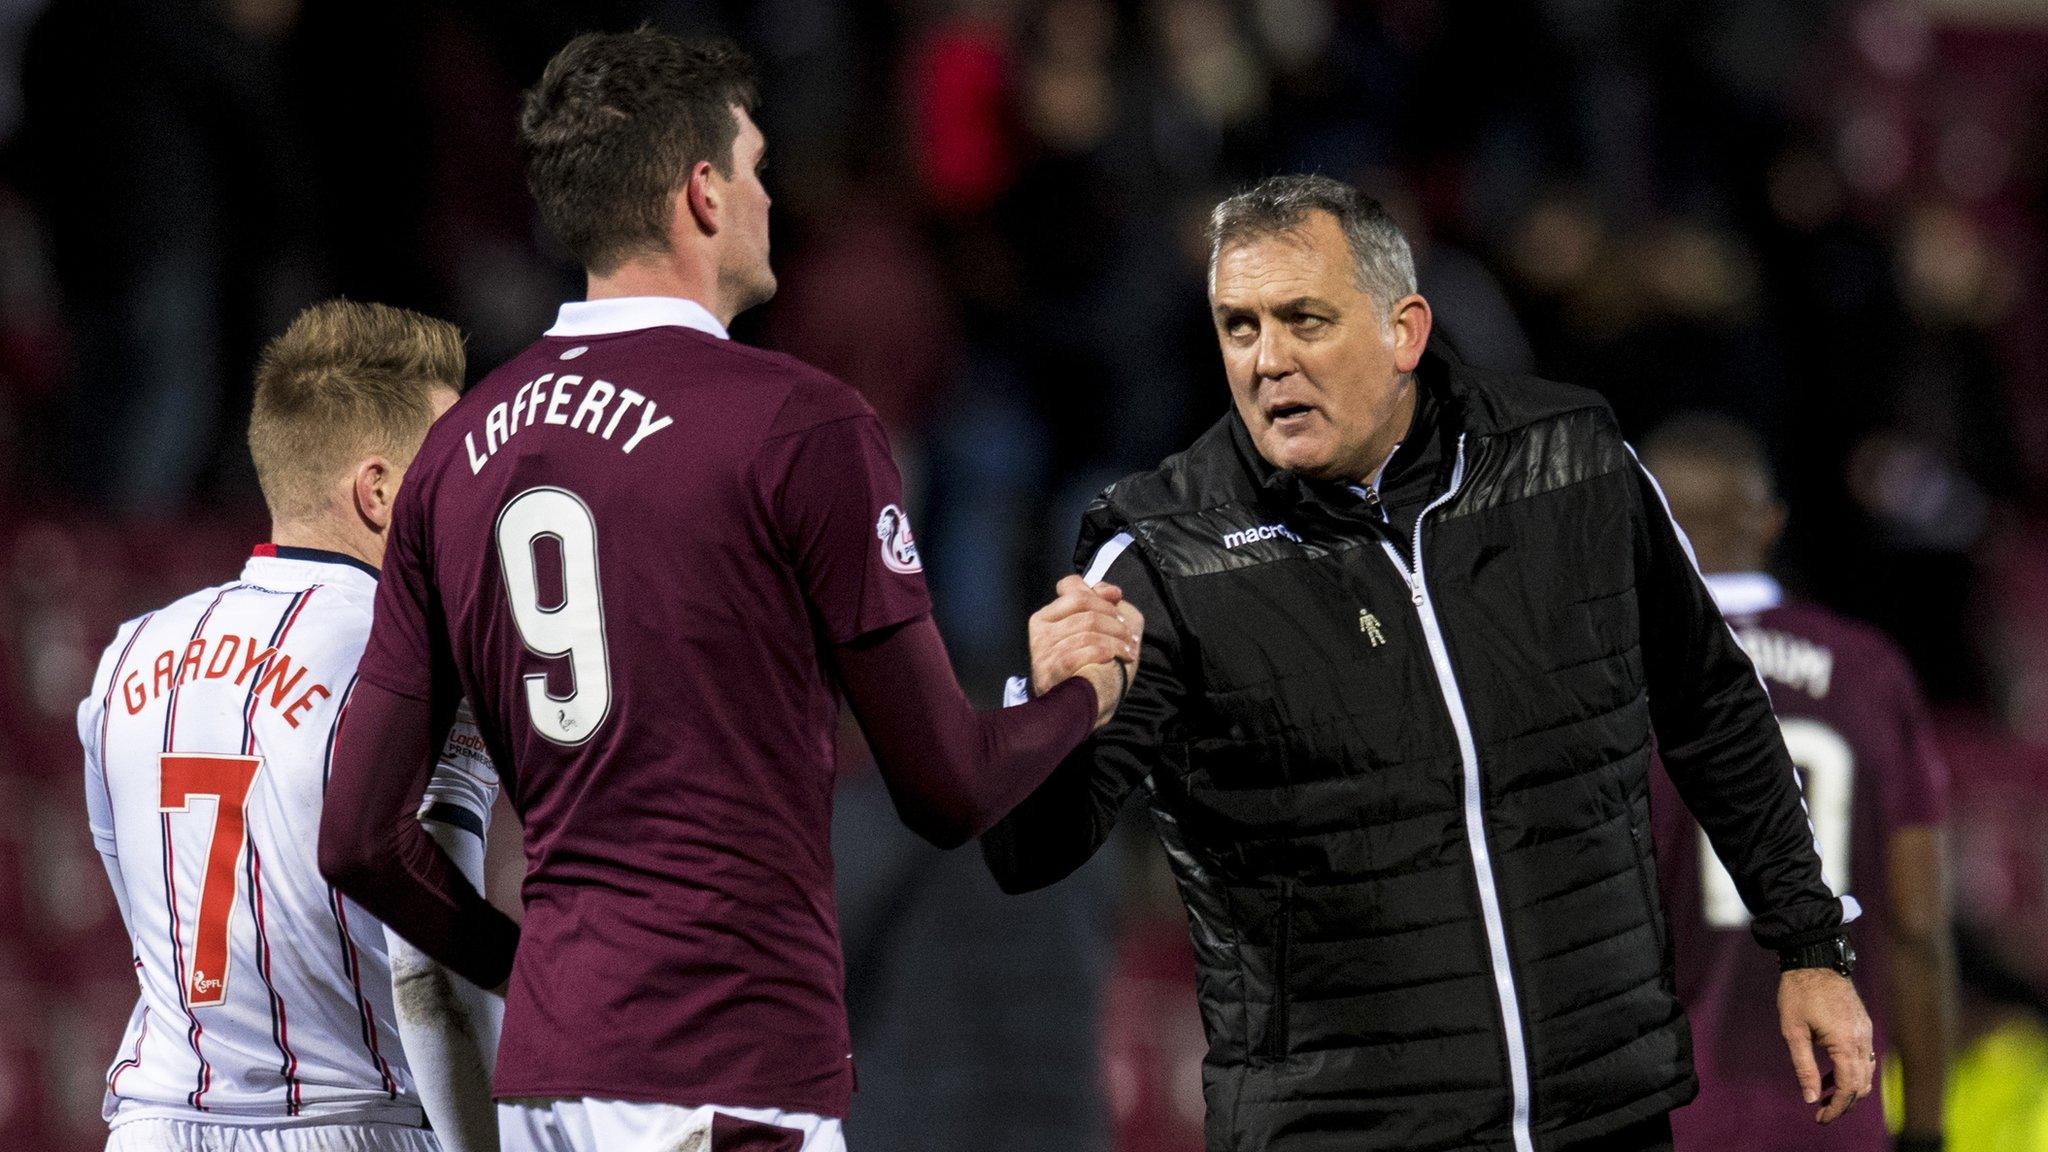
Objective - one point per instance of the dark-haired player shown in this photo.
(1875, 791)
(647, 554)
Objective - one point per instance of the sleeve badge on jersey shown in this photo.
(899, 549)
(465, 748)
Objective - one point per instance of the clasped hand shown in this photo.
(1089, 632)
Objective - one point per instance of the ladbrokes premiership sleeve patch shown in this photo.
(465, 782)
(899, 549)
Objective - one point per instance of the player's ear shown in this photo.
(374, 489)
(1771, 525)
(698, 205)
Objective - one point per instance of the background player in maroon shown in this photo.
(1875, 791)
(648, 555)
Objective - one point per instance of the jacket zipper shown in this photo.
(1636, 835)
(1475, 816)
(1276, 1028)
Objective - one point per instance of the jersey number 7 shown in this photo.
(225, 780)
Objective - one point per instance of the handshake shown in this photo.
(1089, 632)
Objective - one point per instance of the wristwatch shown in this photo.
(1833, 953)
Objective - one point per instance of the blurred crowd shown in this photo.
(1829, 220)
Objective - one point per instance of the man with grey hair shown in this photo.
(1413, 631)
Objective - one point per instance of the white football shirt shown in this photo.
(266, 996)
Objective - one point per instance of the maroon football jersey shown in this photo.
(1858, 732)
(627, 547)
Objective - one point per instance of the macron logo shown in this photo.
(1254, 535)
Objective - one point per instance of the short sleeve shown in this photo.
(400, 656)
(836, 502)
(465, 782)
(1916, 786)
(99, 803)
(99, 799)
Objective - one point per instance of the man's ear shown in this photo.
(1770, 525)
(374, 489)
(1410, 321)
(698, 206)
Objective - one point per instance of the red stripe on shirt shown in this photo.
(192, 1029)
(280, 1020)
(134, 1059)
(178, 677)
(284, 627)
(349, 958)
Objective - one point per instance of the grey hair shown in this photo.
(1384, 268)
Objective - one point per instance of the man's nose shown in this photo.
(1276, 358)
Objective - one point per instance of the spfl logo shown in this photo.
(899, 549)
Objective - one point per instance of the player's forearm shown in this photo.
(373, 849)
(1059, 827)
(448, 1026)
(1922, 1010)
(449, 1042)
(405, 882)
(954, 771)
(1052, 832)
(1920, 994)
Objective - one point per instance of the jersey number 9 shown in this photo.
(571, 627)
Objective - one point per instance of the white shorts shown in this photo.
(587, 1125)
(155, 1135)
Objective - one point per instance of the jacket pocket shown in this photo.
(1274, 1044)
(1646, 882)
(1275, 1047)
(1263, 919)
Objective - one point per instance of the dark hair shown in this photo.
(614, 127)
(1713, 438)
(1384, 267)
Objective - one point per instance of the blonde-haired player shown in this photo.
(267, 1018)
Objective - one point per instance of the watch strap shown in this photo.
(1832, 953)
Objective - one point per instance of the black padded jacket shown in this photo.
(1396, 742)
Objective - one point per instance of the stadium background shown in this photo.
(1828, 219)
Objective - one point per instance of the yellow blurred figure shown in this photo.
(1998, 1090)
